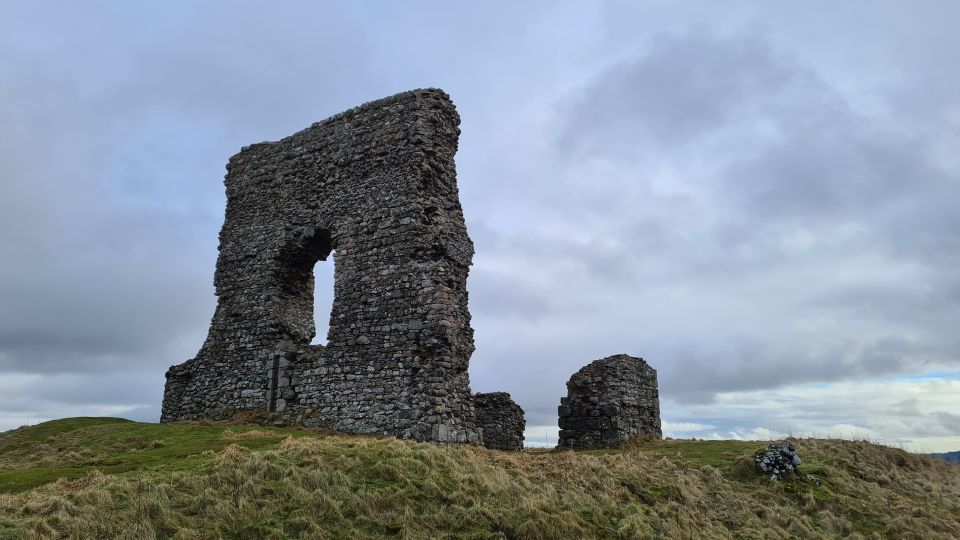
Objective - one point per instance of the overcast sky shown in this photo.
(762, 199)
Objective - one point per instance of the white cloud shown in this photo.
(755, 434)
(919, 414)
(541, 436)
(669, 428)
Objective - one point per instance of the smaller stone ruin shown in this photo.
(608, 402)
(500, 419)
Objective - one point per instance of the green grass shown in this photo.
(719, 454)
(72, 447)
(108, 477)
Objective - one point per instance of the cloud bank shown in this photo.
(758, 200)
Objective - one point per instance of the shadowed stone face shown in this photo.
(610, 401)
(376, 187)
(500, 419)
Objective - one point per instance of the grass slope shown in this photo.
(107, 478)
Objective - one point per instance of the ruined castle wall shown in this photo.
(610, 401)
(375, 187)
(501, 420)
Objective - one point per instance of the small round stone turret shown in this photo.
(608, 402)
(500, 419)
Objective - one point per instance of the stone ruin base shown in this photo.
(500, 419)
(608, 402)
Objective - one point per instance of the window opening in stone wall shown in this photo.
(323, 273)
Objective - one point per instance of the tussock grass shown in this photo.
(255, 482)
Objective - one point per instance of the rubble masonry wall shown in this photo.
(375, 187)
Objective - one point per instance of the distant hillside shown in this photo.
(106, 478)
(952, 457)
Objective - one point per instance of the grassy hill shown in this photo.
(107, 477)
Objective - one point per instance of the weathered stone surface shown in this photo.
(501, 420)
(610, 401)
(375, 186)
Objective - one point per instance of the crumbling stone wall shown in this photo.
(609, 401)
(375, 187)
(500, 419)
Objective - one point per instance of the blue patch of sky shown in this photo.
(932, 375)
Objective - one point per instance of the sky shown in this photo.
(759, 198)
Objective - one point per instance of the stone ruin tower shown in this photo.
(608, 402)
(376, 187)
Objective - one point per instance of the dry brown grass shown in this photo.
(249, 434)
(357, 487)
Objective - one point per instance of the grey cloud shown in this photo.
(681, 90)
(508, 298)
(826, 167)
(112, 163)
(949, 421)
(737, 206)
(696, 375)
(29, 399)
(907, 407)
(778, 151)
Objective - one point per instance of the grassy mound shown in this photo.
(106, 477)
